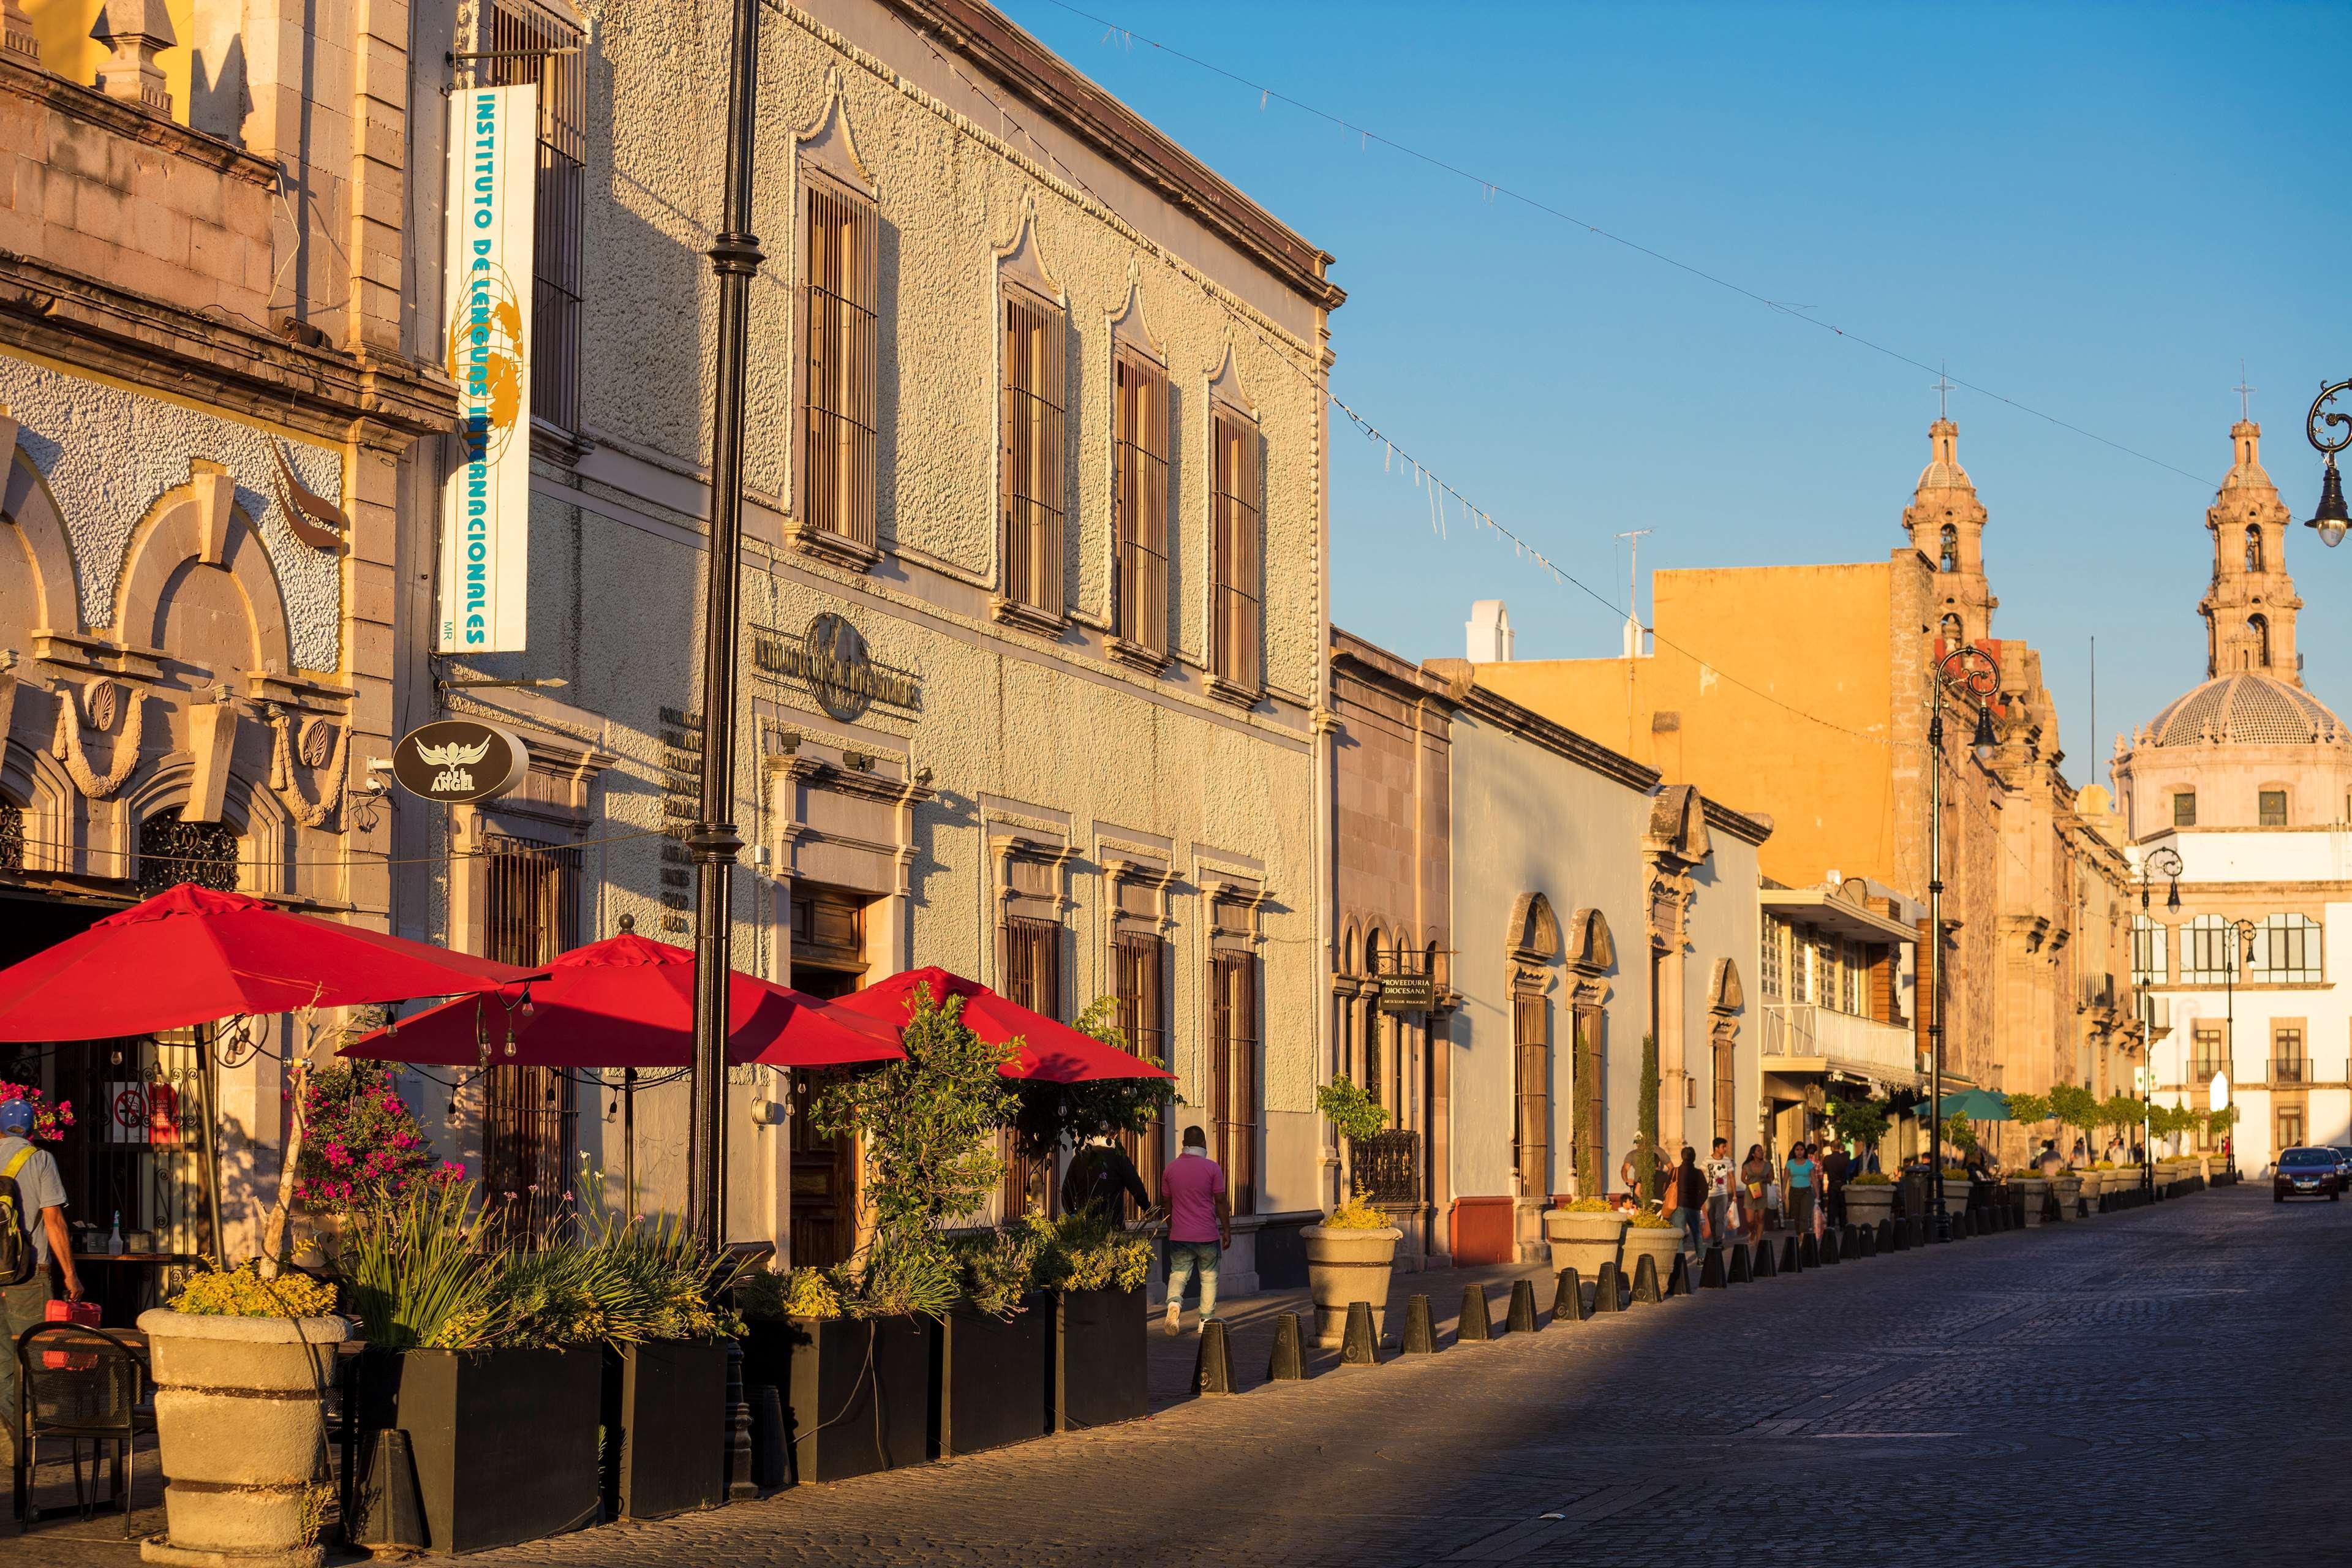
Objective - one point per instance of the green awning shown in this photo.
(1976, 1104)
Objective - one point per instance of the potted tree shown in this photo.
(242, 1367)
(1656, 1234)
(1870, 1197)
(1961, 1134)
(926, 1129)
(1349, 1256)
(1586, 1234)
(1352, 1112)
(2030, 1184)
(1091, 1269)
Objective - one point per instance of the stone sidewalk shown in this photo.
(2100, 1393)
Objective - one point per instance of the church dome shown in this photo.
(2246, 709)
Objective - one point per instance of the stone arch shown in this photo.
(265, 829)
(1591, 950)
(197, 585)
(1678, 825)
(1534, 930)
(1348, 951)
(40, 594)
(37, 785)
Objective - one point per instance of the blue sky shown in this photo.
(2096, 211)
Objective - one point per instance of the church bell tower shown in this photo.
(2250, 607)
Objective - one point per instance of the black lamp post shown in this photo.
(1970, 672)
(735, 256)
(2331, 519)
(2164, 862)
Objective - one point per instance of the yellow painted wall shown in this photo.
(1736, 651)
(62, 27)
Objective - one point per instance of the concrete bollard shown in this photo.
(1792, 1257)
(1476, 1328)
(1213, 1365)
(1678, 1276)
(1609, 1289)
(1830, 1249)
(1521, 1318)
(1645, 1279)
(1360, 1345)
(1567, 1300)
(1288, 1361)
(1420, 1332)
(1710, 1273)
(1764, 1269)
(1737, 1265)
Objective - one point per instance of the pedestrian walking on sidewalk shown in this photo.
(1719, 1193)
(1101, 1177)
(1688, 1192)
(40, 1212)
(1754, 1176)
(1199, 1224)
(1802, 1173)
(1836, 1166)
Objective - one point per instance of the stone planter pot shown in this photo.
(2069, 1187)
(2035, 1192)
(239, 1429)
(2094, 1183)
(1584, 1241)
(1956, 1193)
(1344, 1266)
(992, 1386)
(1665, 1246)
(1869, 1205)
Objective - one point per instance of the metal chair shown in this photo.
(81, 1383)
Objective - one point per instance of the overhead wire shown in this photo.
(1422, 471)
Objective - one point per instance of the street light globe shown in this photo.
(1984, 742)
(2331, 519)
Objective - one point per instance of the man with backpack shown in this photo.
(1101, 1177)
(32, 1232)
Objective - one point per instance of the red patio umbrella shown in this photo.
(626, 1002)
(190, 955)
(1051, 1052)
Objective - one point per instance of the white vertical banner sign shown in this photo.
(486, 511)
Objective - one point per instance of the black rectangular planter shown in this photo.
(856, 1391)
(1099, 1364)
(504, 1441)
(665, 1411)
(989, 1387)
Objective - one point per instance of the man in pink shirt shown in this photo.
(1200, 1226)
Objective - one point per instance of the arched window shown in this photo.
(2260, 626)
(1952, 556)
(2286, 951)
(2148, 942)
(1951, 630)
(2208, 950)
(2253, 547)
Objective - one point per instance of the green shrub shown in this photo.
(1651, 1219)
(1591, 1206)
(1872, 1180)
(770, 1296)
(1356, 1214)
(1348, 1107)
(997, 1270)
(1084, 1252)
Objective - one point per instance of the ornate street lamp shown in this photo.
(2331, 519)
(2242, 936)
(1967, 673)
(735, 257)
(2164, 863)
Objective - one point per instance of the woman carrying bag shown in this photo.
(1755, 1174)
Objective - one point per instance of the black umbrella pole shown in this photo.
(735, 257)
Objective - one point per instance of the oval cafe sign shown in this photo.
(457, 761)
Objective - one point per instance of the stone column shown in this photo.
(135, 30)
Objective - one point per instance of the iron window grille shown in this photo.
(522, 48)
(1139, 413)
(1033, 979)
(1140, 962)
(530, 1115)
(1234, 1068)
(170, 851)
(1237, 569)
(1032, 456)
(1386, 1167)
(839, 323)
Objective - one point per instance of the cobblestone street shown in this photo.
(2111, 1392)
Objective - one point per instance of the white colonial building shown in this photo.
(2245, 778)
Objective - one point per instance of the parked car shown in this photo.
(2343, 1154)
(2307, 1173)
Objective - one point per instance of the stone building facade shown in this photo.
(1032, 591)
(2244, 780)
(211, 406)
(1806, 691)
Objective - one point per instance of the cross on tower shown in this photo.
(2244, 393)
(1942, 387)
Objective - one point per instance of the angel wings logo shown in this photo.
(456, 762)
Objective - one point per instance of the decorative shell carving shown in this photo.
(100, 701)
(318, 743)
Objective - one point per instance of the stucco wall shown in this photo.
(107, 451)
